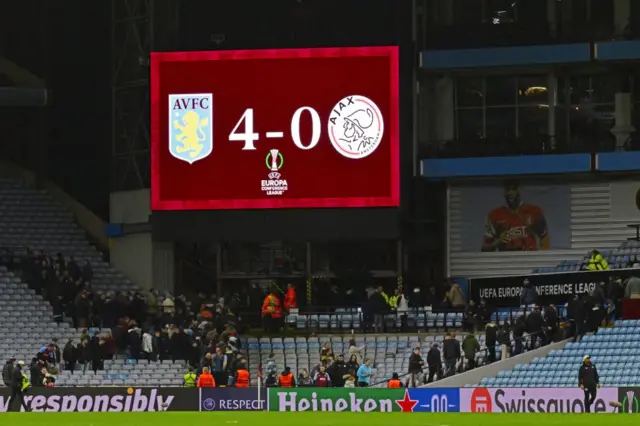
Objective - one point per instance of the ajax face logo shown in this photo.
(355, 127)
(191, 126)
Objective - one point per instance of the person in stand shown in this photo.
(322, 379)
(242, 375)
(504, 342)
(364, 374)
(491, 338)
(535, 327)
(271, 313)
(434, 360)
(7, 372)
(290, 299)
(470, 347)
(206, 379)
(19, 386)
(394, 383)
(451, 348)
(286, 379)
(189, 379)
(416, 363)
(589, 381)
(519, 329)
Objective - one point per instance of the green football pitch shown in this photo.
(309, 419)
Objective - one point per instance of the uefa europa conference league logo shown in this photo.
(355, 128)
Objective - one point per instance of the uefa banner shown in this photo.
(534, 400)
(365, 400)
(99, 399)
(233, 399)
(552, 288)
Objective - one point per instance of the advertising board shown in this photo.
(533, 400)
(104, 399)
(365, 400)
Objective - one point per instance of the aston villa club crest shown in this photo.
(191, 126)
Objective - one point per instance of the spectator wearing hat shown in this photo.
(589, 381)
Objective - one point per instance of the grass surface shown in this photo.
(310, 419)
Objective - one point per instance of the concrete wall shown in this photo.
(149, 264)
(474, 376)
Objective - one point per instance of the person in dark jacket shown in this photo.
(379, 307)
(551, 322)
(36, 372)
(589, 381)
(338, 371)
(451, 349)
(519, 328)
(528, 293)
(491, 337)
(18, 388)
(535, 327)
(504, 341)
(434, 361)
(70, 356)
(7, 372)
(415, 369)
(576, 313)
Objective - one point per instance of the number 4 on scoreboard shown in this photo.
(249, 137)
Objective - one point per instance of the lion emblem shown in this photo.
(191, 133)
(190, 126)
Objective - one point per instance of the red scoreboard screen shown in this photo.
(269, 129)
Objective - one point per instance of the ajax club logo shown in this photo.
(191, 126)
(355, 127)
(275, 184)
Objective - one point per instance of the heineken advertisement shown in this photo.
(364, 400)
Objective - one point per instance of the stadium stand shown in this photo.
(613, 350)
(389, 353)
(31, 219)
(627, 255)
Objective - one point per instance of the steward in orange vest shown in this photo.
(290, 299)
(206, 379)
(394, 382)
(286, 379)
(242, 375)
(271, 306)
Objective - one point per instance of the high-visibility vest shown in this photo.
(286, 381)
(290, 300)
(393, 302)
(206, 381)
(271, 306)
(598, 263)
(25, 383)
(190, 380)
(393, 384)
(242, 379)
